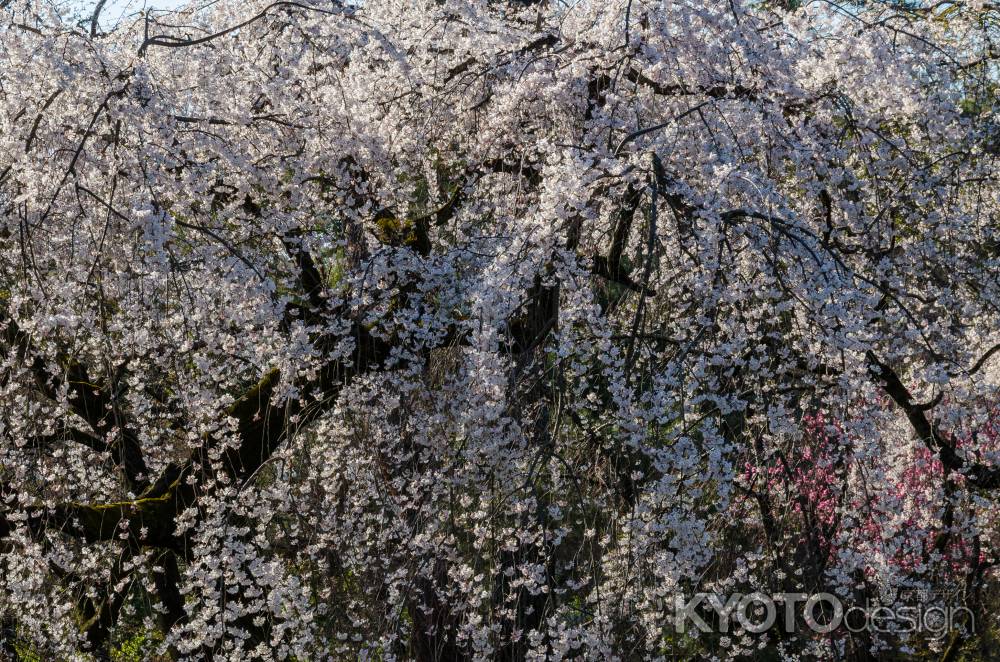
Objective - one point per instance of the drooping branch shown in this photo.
(168, 41)
(718, 92)
(983, 359)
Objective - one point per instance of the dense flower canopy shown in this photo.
(480, 330)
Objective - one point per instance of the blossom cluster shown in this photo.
(451, 329)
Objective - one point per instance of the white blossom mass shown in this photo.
(467, 330)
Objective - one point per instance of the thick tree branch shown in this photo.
(980, 475)
(91, 402)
